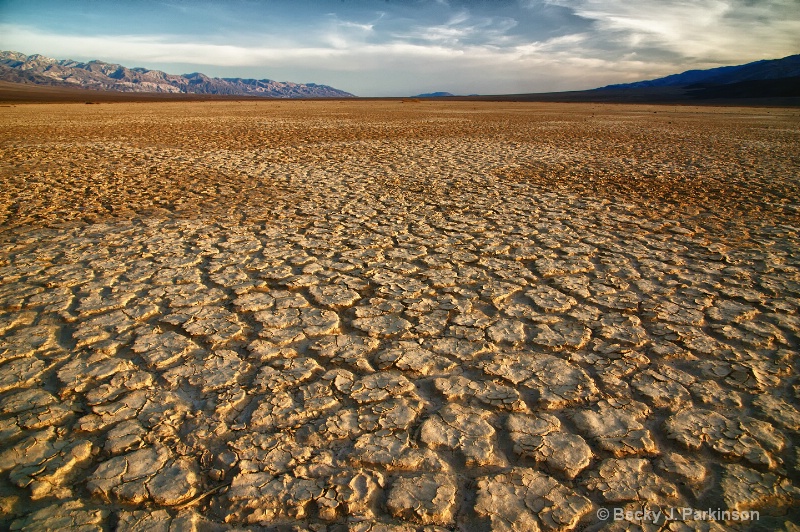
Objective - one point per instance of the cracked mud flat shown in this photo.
(386, 316)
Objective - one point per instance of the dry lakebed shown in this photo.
(399, 315)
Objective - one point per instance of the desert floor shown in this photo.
(398, 316)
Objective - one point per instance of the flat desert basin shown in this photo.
(399, 315)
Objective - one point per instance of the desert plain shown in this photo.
(399, 315)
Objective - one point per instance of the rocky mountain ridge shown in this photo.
(98, 75)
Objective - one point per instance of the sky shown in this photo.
(407, 47)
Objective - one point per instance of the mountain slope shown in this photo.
(756, 88)
(98, 75)
(434, 95)
(767, 69)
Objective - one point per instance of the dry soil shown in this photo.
(386, 316)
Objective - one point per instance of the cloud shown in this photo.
(702, 31)
(388, 68)
(346, 53)
(463, 29)
(152, 48)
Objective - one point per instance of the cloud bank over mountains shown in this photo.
(412, 46)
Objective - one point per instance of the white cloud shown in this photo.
(711, 31)
(355, 25)
(367, 69)
(556, 45)
(463, 28)
(152, 48)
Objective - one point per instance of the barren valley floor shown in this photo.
(391, 316)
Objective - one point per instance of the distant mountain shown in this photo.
(433, 95)
(768, 69)
(98, 75)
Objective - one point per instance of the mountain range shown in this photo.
(34, 77)
(765, 79)
(765, 82)
(764, 70)
(98, 75)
